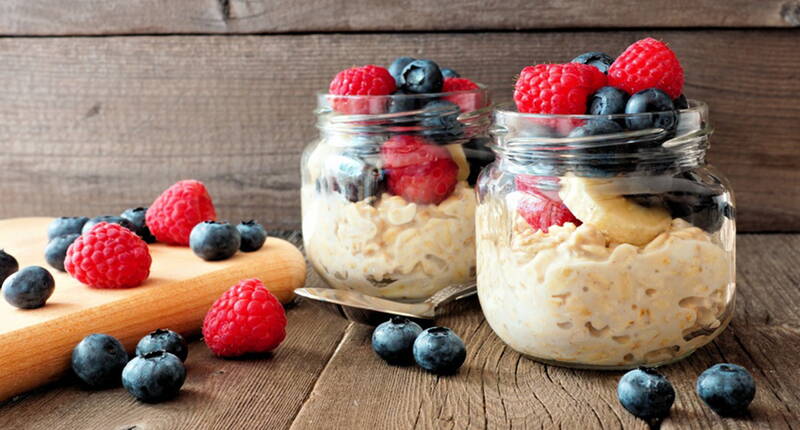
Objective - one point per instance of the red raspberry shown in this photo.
(109, 256)
(539, 208)
(556, 88)
(177, 210)
(467, 102)
(419, 171)
(648, 63)
(361, 81)
(245, 319)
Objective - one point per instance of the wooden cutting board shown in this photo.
(35, 345)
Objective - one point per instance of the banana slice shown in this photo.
(620, 219)
(457, 152)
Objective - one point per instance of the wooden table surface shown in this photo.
(325, 375)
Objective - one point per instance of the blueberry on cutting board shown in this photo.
(29, 288)
(66, 225)
(56, 250)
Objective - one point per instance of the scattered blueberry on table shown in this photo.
(439, 350)
(154, 377)
(98, 360)
(393, 340)
(646, 394)
(726, 388)
(166, 340)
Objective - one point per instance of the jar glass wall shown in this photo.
(605, 250)
(387, 197)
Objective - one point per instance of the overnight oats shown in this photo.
(387, 194)
(604, 239)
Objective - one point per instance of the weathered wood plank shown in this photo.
(262, 392)
(95, 125)
(81, 17)
(497, 388)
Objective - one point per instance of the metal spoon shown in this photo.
(371, 310)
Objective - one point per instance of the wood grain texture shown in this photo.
(36, 344)
(82, 17)
(96, 125)
(498, 388)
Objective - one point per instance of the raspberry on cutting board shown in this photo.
(173, 215)
(245, 319)
(109, 256)
(417, 170)
(648, 63)
(556, 88)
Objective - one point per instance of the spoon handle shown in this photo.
(452, 293)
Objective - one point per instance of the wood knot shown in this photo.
(790, 12)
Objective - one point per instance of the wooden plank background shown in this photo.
(93, 125)
(70, 17)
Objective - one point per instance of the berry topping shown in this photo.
(154, 377)
(538, 208)
(253, 235)
(110, 219)
(726, 388)
(449, 73)
(596, 127)
(393, 340)
(650, 100)
(422, 76)
(173, 215)
(214, 241)
(98, 360)
(8, 265)
(439, 350)
(245, 319)
(646, 394)
(417, 170)
(29, 288)
(137, 217)
(56, 250)
(600, 60)
(440, 120)
(396, 69)
(556, 88)
(607, 101)
(681, 102)
(648, 63)
(467, 102)
(163, 339)
(109, 256)
(361, 81)
(65, 225)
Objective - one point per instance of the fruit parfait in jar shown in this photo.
(387, 188)
(604, 238)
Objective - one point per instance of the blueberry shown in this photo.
(154, 377)
(681, 102)
(646, 394)
(596, 127)
(8, 265)
(422, 76)
(98, 360)
(726, 388)
(29, 288)
(253, 236)
(393, 340)
(163, 340)
(56, 250)
(440, 121)
(66, 225)
(213, 241)
(597, 59)
(396, 69)
(402, 102)
(354, 178)
(439, 350)
(137, 217)
(111, 219)
(449, 73)
(607, 101)
(651, 100)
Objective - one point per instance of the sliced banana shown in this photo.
(620, 219)
(457, 152)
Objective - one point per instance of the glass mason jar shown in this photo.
(605, 250)
(387, 196)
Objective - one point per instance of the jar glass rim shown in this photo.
(324, 97)
(509, 109)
